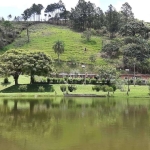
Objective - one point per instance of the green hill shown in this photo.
(43, 36)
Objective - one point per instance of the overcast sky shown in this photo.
(140, 8)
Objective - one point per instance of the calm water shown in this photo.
(75, 124)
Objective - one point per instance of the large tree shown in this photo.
(55, 9)
(82, 15)
(58, 48)
(99, 18)
(37, 63)
(112, 20)
(12, 64)
(127, 14)
(15, 62)
(107, 72)
(138, 50)
(26, 14)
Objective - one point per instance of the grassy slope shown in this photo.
(43, 36)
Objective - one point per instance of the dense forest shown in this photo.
(125, 38)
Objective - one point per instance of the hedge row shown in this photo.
(76, 81)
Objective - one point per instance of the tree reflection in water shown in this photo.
(36, 123)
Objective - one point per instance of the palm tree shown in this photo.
(58, 48)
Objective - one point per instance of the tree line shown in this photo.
(84, 15)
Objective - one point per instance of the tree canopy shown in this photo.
(16, 62)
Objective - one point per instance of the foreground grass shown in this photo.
(135, 92)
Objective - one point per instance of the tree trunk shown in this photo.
(16, 77)
(58, 58)
(31, 78)
(16, 81)
(28, 35)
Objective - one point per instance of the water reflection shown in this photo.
(74, 124)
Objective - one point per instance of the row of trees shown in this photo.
(52, 10)
(88, 15)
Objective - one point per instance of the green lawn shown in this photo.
(135, 92)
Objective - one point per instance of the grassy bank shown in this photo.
(135, 92)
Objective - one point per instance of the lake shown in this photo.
(74, 124)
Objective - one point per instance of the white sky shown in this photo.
(140, 8)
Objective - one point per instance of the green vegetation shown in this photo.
(28, 88)
(11, 90)
(43, 37)
(111, 41)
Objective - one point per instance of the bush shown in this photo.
(138, 81)
(61, 81)
(44, 80)
(70, 81)
(97, 88)
(41, 89)
(22, 88)
(103, 81)
(48, 80)
(6, 80)
(72, 88)
(52, 89)
(114, 87)
(93, 81)
(104, 87)
(63, 88)
(55, 80)
(87, 80)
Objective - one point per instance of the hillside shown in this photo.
(43, 36)
(121, 51)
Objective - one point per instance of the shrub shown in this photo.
(52, 89)
(63, 88)
(22, 88)
(48, 80)
(55, 81)
(6, 80)
(93, 81)
(72, 88)
(138, 81)
(87, 81)
(74, 81)
(103, 81)
(114, 87)
(61, 81)
(104, 87)
(70, 81)
(97, 88)
(109, 89)
(41, 89)
(80, 81)
(43, 80)
(87, 35)
(131, 81)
